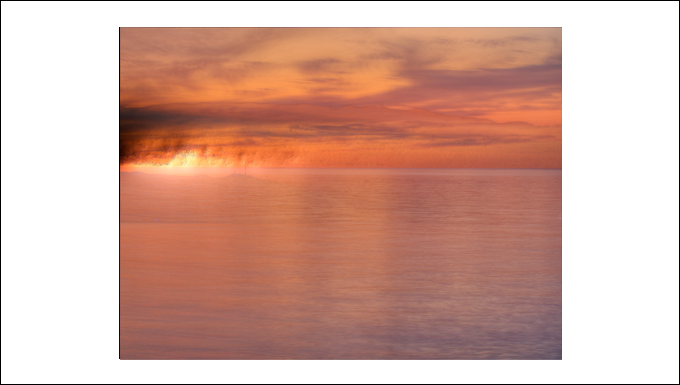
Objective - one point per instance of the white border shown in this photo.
(60, 190)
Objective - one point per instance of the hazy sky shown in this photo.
(335, 97)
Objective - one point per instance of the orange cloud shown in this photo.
(397, 97)
(232, 134)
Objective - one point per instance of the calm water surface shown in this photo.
(342, 264)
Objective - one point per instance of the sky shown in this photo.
(341, 97)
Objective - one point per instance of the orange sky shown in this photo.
(341, 97)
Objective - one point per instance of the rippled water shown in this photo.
(342, 264)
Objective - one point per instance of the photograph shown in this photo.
(340, 193)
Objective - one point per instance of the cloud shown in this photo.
(331, 66)
(325, 96)
(156, 134)
(318, 65)
(484, 80)
(481, 93)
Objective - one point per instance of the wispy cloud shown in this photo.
(158, 134)
(426, 96)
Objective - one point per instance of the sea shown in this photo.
(341, 264)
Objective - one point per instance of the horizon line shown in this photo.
(335, 167)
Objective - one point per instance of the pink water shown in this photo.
(342, 264)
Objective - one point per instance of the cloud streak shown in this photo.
(401, 97)
(156, 135)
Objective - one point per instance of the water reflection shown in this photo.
(342, 264)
